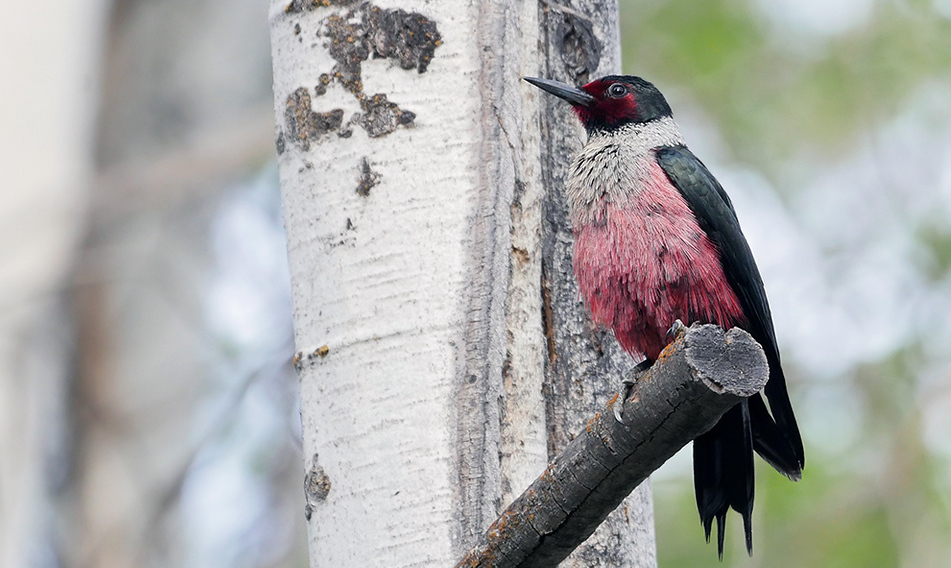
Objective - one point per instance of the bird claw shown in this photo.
(676, 330)
(628, 383)
(618, 406)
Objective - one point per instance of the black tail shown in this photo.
(776, 438)
(723, 459)
(723, 473)
(780, 446)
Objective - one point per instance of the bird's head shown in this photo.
(610, 102)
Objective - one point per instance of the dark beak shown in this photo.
(571, 94)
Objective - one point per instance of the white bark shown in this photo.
(416, 259)
(383, 280)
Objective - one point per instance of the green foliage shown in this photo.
(777, 93)
(825, 521)
(935, 241)
(782, 97)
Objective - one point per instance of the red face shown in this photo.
(610, 102)
(615, 103)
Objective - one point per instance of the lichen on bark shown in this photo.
(380, 116)
(297, 6)
(368, 179)
(304, 124)
(316, 487)
(367, 31)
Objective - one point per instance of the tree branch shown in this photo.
(697, 378)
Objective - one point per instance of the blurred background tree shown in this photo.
(148, 410)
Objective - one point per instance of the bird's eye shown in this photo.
(617, 90)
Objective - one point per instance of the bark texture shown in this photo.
(410, 160)
(696, 379)
(409, 169)
(586, 365)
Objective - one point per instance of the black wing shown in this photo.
(779, 442)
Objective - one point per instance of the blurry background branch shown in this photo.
(214, 156)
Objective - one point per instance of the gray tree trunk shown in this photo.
(439, 366)
(586, 364)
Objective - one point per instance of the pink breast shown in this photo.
(643, 264)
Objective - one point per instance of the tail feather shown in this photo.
(770, 442)
(723, 473)
(781, 409)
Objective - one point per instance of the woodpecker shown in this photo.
(657, 240)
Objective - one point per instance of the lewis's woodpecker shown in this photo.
(657, 240)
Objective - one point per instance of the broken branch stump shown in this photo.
(697, 378)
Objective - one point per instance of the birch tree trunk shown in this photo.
(434, 358)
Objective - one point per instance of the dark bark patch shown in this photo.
(579, 47)
(380, 116)
(408, 38)
(368, 179)
(316, 487)
(298, 6)
(521, 255)
(347, 45)
(322, 82)
(305, 125)
(279, 143)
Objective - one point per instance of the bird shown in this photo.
(657, 240)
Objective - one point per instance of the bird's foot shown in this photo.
(628, 383)
(676, 330)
